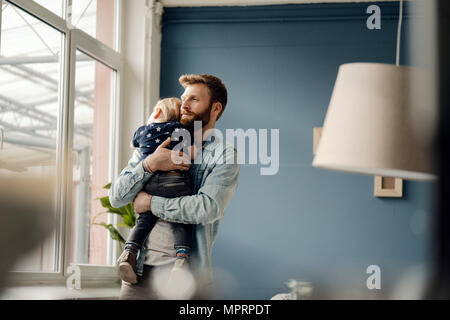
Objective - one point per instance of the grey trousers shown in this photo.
(146, 289)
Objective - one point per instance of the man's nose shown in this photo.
(185, 106)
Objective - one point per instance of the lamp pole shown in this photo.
(440, 283)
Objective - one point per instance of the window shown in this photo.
(55, 6)
(58, 109)
(91, 168)
(30, 73)
(96, 18)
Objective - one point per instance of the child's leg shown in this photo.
(128, 264)
(144, 224)
(182, 239)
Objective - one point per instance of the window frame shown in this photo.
(73, 40)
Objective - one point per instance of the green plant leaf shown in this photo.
(113, 232)
(129, 209)
(128, 221)
(126, 212)
(130, 212)
(118, 211)
(105, 202)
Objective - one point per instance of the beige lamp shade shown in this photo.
(368, 128)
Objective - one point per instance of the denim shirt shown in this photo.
(214, 182)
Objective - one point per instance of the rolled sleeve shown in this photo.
(157, 204)
(130, 181)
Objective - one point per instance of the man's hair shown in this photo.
(170, 109)
(216, 87)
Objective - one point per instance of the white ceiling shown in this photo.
(197, 3)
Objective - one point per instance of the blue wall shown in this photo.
(279, 64)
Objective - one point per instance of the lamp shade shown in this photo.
(368, 128)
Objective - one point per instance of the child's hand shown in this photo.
(141, 203)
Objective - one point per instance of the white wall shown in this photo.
(141, 39)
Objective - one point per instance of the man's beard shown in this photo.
(204, 117)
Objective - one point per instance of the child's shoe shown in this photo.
(127, 267)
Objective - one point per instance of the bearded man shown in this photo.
(214, 179)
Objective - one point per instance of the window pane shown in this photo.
(95, 17)
(91, 164)
(29, 109)
(55, 6)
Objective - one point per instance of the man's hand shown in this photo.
(142, 202)
(162, 159)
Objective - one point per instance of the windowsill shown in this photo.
(59, 292)
(94, 281)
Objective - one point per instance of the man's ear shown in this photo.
(217, 108)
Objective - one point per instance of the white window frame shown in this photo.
(75, 39)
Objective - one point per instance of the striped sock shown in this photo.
(182, 253)
(131, 248)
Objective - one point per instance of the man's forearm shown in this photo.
(206, 206)
(130, 181)
(195, 209)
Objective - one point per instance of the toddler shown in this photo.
(160, 126)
